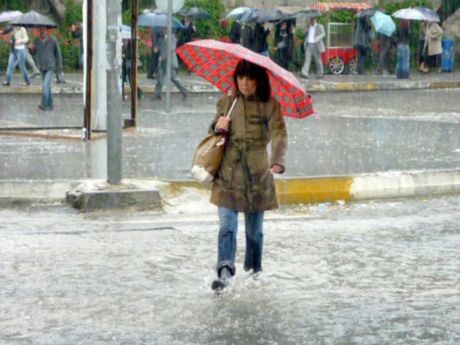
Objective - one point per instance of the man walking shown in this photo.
(49, 61)
(174, 66)
(18, 42)
(314, 46)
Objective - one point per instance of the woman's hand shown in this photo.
(222, 124)
(276, 169)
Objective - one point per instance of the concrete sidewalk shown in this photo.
(330, 83)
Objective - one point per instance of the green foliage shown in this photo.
(18, 5)
(391, 7)
(73, 13)
(339, 16)
(208, 28)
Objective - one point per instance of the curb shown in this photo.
(370, 186)
(321, 86)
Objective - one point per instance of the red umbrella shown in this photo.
(215, 61)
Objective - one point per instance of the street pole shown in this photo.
(168, 61)
(114, 115)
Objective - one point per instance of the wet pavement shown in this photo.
(383, 273)
(352, 133)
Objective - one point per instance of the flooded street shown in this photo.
(362, 273)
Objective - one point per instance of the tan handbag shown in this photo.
(208, 155)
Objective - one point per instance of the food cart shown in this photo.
(340, 56)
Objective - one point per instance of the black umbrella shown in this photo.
(305, 14)
(262, 15)
(34, 19)
(195, 13)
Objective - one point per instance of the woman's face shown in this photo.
(246, 85)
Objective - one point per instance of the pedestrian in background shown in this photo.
(362, 42)
(126, 72)
(386, 44)
(245, 182)
(261, 44)
(248, 36)
(188, 33)
(76, 33)
(433, 45)
(235, 32)
(49, 61)
(174, 66)
(156, 37)
(314, 46)
(421, 48)
(403, 35)
(284, 42)
(18, 46)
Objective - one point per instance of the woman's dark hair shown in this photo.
(248, 69)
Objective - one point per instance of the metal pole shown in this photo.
(168, 61)
(114, 115)
(134, 95)
(89, 70)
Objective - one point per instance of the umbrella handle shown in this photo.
(231, 109)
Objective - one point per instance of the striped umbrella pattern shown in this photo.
(215, 61)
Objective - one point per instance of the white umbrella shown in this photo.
(408, 14)
(238, 12)
(9, 16)
(429, 14)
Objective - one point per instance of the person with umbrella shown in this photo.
(245, 182)
(362, 42)
(235, 31)
(188, 33)
(314, 46)
(433, 45)
(49, 61)
(18, 45)
(284, 44)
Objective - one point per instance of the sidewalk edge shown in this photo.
(299, 190)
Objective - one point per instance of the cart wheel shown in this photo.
(336, 65)
(353, 66)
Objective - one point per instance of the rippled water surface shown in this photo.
(363, 273)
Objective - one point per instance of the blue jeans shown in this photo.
(17, 56)
(228, 229)
(47, 97)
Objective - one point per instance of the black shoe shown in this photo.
(184, 96)
(5, 83)
(304, 76)
(218, 285)
(41, 107)
(225, 277)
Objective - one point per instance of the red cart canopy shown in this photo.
(331, 6)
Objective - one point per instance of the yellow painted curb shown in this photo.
(295, 190)
(312, 190)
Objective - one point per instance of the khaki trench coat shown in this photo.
(244, 181)
(433, 39)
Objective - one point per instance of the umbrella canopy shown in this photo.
(195, 13)
(215, 61)
(263, 15)
(9, 16)
(408, 14)
(34, 19)
(429, 14)
(158, 19)
(305, 14)
(236, 13)
(383, 23)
